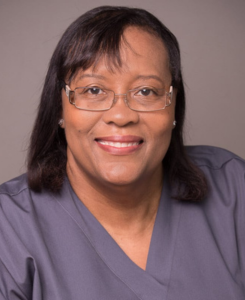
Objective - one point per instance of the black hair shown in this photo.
(96, 33)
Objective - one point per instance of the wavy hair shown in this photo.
(98, 33)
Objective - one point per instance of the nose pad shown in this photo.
(120, 115)
(124, 99)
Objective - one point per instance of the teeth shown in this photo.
(118, 145)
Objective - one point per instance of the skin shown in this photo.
(122, 187)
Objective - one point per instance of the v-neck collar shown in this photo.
(149, 284)
(163, 239)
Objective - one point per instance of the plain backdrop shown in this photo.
(211, 34)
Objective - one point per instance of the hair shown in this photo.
(98, 33)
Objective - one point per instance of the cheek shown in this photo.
(161, 125)
(79, 126)
(160, 133)
(79, 120)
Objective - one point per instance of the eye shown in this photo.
(146, 92)
(94, 90)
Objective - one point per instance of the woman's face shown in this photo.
(121, 146)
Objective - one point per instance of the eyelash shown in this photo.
(137, 90)
(89, 89)
(147, 89)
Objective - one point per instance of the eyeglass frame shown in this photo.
(68, 90)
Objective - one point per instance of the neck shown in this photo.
(127, 212)
(119, 206)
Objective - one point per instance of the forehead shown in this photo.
(142, 42)
(140, 53)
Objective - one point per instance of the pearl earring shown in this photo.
(174, 123)
(61, 122)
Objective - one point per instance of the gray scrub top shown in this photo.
(52, 247)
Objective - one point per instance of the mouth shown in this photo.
(120, 145)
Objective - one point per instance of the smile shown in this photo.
(118, 144)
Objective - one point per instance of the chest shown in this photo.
(79, 257)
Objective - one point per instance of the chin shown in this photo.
(120, 178)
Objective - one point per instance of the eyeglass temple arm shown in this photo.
(67, 90)
(170, 94)
(171, 91)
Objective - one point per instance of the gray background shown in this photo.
(211, 34)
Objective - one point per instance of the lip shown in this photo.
(120, 145)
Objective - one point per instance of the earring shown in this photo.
(61, 122)
(174, 123)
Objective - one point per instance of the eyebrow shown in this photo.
(92, 75)
(150, 77)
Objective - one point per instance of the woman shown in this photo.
(113, 206)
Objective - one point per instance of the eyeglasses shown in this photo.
(94, 98)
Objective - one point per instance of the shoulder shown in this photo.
(216, 225)
(14, 186)
(15, 192)
(224, 171)
(17, 198)
(19, 201)
(225, 174)
(214, 157)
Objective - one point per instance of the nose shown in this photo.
(120, 114)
